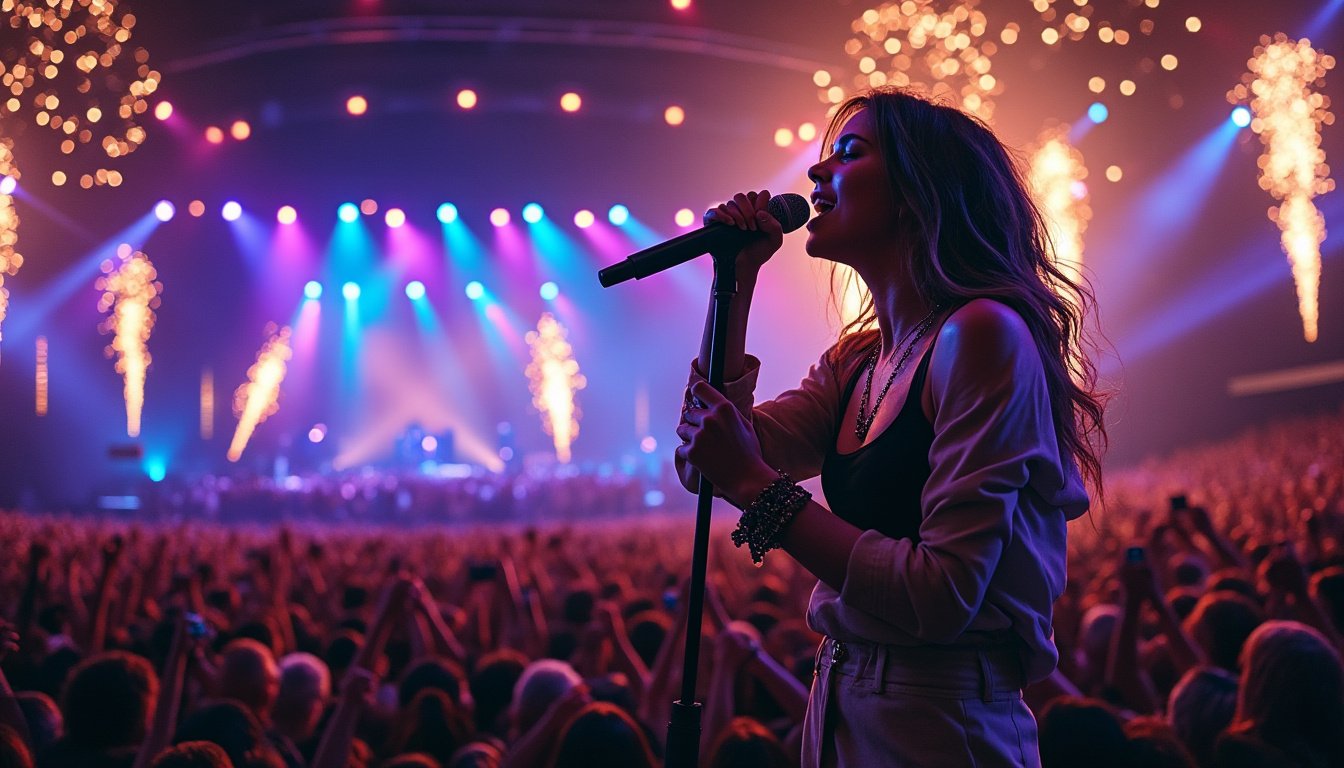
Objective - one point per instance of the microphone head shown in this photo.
(791, 210)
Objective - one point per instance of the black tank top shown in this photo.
(878, 486)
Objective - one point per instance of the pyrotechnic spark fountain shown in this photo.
(40, 377)
(207, 404)
(554, 377)
(1057, 177)
(1288, 117)
(70, 65)
(259, 398)
(130, 295)
(10, 259)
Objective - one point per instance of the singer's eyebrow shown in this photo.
(848, 137)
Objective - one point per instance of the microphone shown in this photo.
(790, 210)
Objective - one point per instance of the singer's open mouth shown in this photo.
(822, 206)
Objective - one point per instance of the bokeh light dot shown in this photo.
(231, 211)
(1096, 85)
(680, 5)
(1193, 24)
(286, 214)
(240, 130)
(584, 219)
(8, 184)
(356, 105)
(447, 213)
(1169, 62)
(807, 131)
(196, 208)
(163, 210)
(163, 110)
(348, 212)
(1114, 173)
(466, 98)
(618, 214)
(350, 291)
(1098, 112)
(685, 217)
(499, 217)
(1241, 117)
(548, 291)
(1127, 87)
(415, 290)
(395, 217)
(368, 206)
(214, 134)
(312, 290)
(783, 137)
(571, 102)
(58, 178)
(532, 213)
(475, 290)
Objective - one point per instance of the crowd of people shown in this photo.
(1202, 626)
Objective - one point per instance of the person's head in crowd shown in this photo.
(1081, 732)
(193, 754)
(1153, 744)
(354, 598)
(1292, 693)
(1094, 639)
(45, 725)
(341, 652)
(1327, 587)
(1220, 623)
(1229, 580)
(542, 682)
(646, 631)
(1189, 570)
(305, 687)
(603, 735)
(262, 631)
(577, 608)
(746, 743)
(54, 620)
(477, 754)
(434, 672)
(1200, 707)
(109, 701)
(234, 728)
(432, 724)
(55, 669)
(492, 689)
(1183, 600)
(248, 673)
(13, 752)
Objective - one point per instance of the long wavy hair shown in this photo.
(977, 233)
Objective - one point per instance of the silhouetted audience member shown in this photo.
(1082, 732)
(602, 735)
(1290, 706)
(1200, 707)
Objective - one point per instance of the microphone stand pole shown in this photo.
(683, 729)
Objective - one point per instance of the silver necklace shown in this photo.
(865, 421)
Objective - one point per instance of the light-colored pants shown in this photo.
(926, 706)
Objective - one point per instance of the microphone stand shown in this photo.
(683, 729)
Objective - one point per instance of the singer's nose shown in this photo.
(814, 174)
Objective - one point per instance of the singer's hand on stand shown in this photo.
(748, 211)
(718, 441)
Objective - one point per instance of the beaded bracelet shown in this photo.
(763, 521)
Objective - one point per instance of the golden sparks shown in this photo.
(1058, 179)
(259, 398)
(1287, 116)
(10, 258)
(553, 377)
(130, 296)
(72, 68)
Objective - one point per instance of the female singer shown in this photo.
(948, 424)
